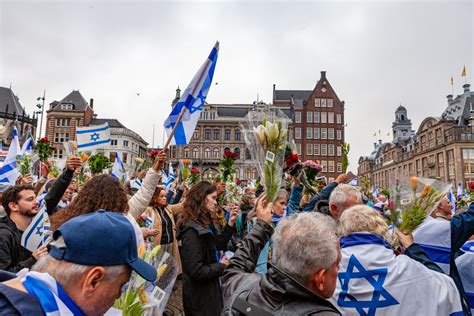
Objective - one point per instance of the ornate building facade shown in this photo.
(441, 148)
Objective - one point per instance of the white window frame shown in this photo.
(329, 103)
(309, 133)
(330, 117)
(317, 150)
(324, 117)
(330, 149)
(316, 117)
(338, 119)
(309, 117)
(297, 132)
(317, 102)
(330, 133)
(297, 117)
(316, 133)
(324, 149)
(309, 149)
(324, 133)
(338, 134)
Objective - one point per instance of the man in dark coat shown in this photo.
(304, 270)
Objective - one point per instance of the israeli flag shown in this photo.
(193, 99)
(168, 179)
(27, 146)
(9, 172)
(38, 232)
(118, 170)
(136, 184)
(452, 200)
(375, 193)
(372, 280)
(434, 236)
(92, 137)
(465, 264)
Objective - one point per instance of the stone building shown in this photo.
(318, 117)
(441, 148)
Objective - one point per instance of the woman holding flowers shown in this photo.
(201, 250)
(163, 229)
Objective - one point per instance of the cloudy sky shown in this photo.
(377, 54)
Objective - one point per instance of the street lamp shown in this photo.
(41, 107)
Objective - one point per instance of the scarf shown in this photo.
(52, 297)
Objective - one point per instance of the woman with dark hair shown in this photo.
(164, 226)
(200, 251)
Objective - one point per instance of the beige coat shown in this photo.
(172, 211)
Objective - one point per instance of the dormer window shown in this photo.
(66, 106)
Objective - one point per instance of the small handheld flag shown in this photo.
(38, 232)
(118, 170)
(9, 172)
(92, 137)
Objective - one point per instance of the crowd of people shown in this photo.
(332, 252)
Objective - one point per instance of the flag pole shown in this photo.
(165, 146)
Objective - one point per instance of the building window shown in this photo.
(227, 134)
(112, 156)
(323, 103)
(207, 134)
(309, 149)
(58, 153)
(451, 173)
(441, 165)
(317, 149)
(63, 122)
(324, 133)
(331, 150)
(330, 133)
(297, 117)
(324, 118)
(338, 118)
(227, 149)
(298, 132)
(316, 117)
(186, 152)
(125, 143)
(67, 106)
(331, 166)
(217, 134)
(113, 142)
(309, 133)
(207, 152)
(237, 134)
(339, 167)
(339, 151)
(298, 148)
(195, 152)
(339, 134)
(61, 137)
(196, 134)
(468, 159)
(309, 117)
(237, 152)
(316, 133)
(329, 102)
(247, 154)
(331, 117)
(317, 102)
(324, 164)
(216, 153)
(324, 149)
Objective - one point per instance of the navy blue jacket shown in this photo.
(15, 302)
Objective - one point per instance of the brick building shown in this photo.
(318, 129)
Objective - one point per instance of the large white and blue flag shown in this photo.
(372, 280)
(92, 137)
(465, 265)
(193, 100)
(118, 169)
(38, 232)
(9, 172)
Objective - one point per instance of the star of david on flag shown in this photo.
(376, 278)
(93, 137)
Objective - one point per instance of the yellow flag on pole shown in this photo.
(463, 73)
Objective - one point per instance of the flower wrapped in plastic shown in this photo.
(184, 165)
(141, 297)
(194, 176)
(311, 170)
(265, 135)
(26, 163)
(413, 200)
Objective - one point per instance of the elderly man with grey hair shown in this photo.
(303, 273)
(343, 197)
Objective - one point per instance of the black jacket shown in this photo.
(276, 292)
(202, 293)
(13, 257)
(57, 190)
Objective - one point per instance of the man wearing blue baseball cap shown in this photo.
(88, 262)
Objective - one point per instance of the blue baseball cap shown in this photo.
(101, 239)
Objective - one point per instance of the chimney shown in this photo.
(274, 94)
(466, 87)
(375, 145)
(323, 74)
(91, 103)
(178, 93)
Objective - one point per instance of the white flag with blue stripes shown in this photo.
(9, 172)
(38, 232)
(452, 200)
(169, 178)
(193, 99)
(92, 137)
(27, 146)
(118, 170)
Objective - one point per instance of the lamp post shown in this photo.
(41, 107)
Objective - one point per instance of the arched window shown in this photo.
(247, 154)
(207, 152)
(237, 152)
(226, 149)
(195, 152)
(216, 153)
(186, 152)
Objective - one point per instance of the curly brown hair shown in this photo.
(100, 192)
(193, 206)
(155, 195)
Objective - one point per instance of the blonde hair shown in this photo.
(362, 218)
